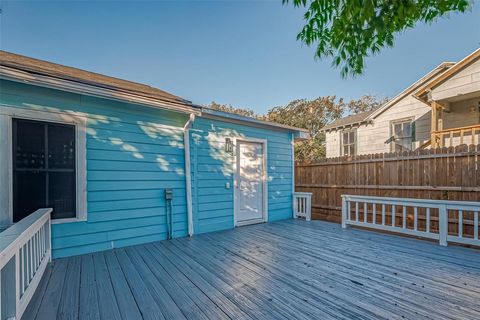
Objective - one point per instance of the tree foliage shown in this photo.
(351, 30)
(364, 104)
(231, 109)
(312, 115)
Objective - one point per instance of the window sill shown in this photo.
(68, 220)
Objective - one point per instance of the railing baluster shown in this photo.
(374, 213)
(39, 258)
(404, 217)
(35, 251)
(344, 212)
(427, 222)
(442, 224)
(460, 223)
(356, 211)
(42, 242)
(365, 212)
(349, 211)
(29, 261)
(383, 214)
(25, 266)
(393, 215)
(475, 225)
(20, 269)
(415, 218)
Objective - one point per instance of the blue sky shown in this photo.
(242, 53)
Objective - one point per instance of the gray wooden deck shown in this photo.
(285, 270)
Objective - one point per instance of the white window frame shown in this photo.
(355, 143)
(392, 131)
(6, 153)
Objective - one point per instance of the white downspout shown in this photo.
(188, 176)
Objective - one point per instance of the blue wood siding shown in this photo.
(212, 168)
(134, 153)
(131, 158)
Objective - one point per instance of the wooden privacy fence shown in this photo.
(443, 173)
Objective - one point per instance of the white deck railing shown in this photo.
(442, 220)
(302, 205)
(24, 255)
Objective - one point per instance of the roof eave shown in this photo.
(425, 79)
(11, 74)
(422, 92)
(210, 113)
(346, 125)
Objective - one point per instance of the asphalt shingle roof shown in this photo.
(354, 118)
(46, 68)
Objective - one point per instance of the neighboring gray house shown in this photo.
(450, 92)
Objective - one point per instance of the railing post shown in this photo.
(308, 212)
(344, 212)
(443, 225)
(8, 290)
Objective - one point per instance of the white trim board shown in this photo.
(264, 180)
(6, 189)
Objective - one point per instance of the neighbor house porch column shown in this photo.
(437, 123)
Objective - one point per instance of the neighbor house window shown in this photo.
(402, 135)
(348, 142)
(44, 168)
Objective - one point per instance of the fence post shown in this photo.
(443, 225)
(344, 212)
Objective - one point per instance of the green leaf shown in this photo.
(351, 30)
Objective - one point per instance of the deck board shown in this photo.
(89, 309)
(108, 304)
(284, 270)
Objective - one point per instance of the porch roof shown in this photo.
(422, 92)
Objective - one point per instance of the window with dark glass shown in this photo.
(348, 142)
(43, 168)
(403, 135)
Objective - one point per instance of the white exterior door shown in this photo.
(249, 204)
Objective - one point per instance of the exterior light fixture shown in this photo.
(228, 145)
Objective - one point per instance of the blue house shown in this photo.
(123, 163)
